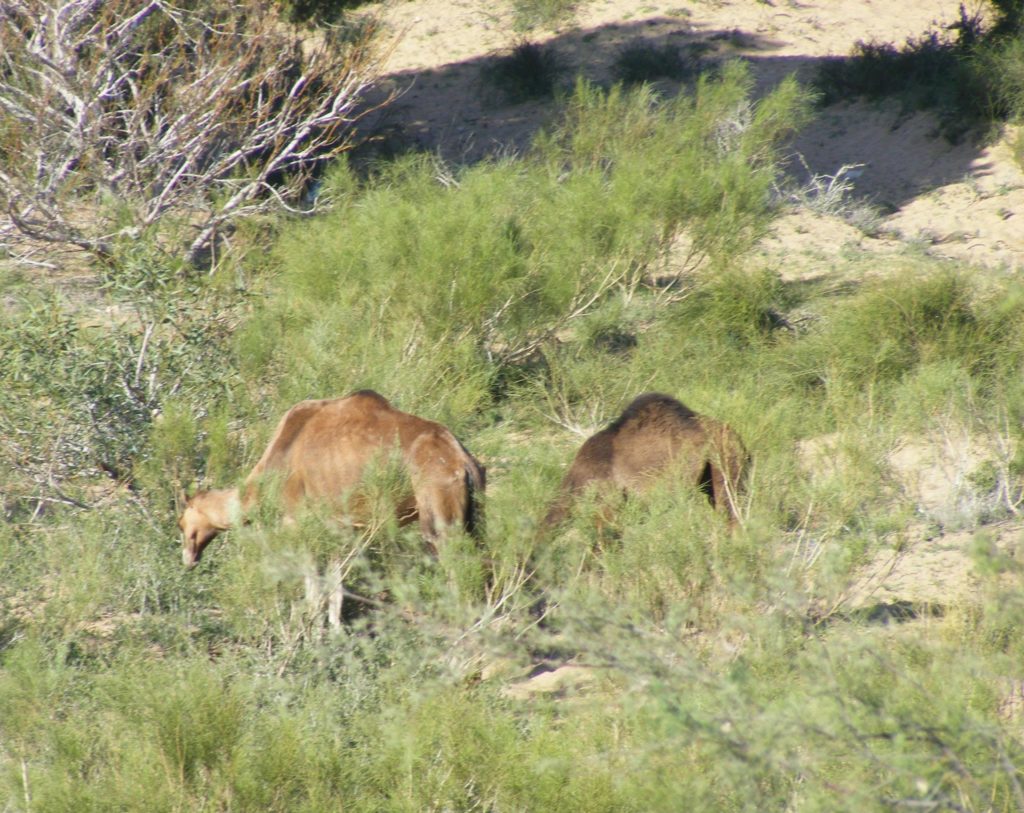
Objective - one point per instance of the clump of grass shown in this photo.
(831, 195)
(645, 62)
(1004, 63)
(529, 71)
(887, 330)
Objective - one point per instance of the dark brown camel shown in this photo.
(656, 436)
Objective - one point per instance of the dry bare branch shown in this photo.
(120, 117)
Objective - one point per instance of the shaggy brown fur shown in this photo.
(654, 435)
(322, 449)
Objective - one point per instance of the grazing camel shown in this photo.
(656, 435)
(322, 448)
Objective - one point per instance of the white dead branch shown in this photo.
(118, 116)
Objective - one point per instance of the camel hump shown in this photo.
(653, 409)
(655, 434)
(371, 398)
(296, 419)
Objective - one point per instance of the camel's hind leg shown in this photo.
(441, 503)
(335, 593)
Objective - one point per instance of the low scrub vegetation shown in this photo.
(972, 73)
(522, 302)
(528, 71)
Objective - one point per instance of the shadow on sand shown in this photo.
(453, 111)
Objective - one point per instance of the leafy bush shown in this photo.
(1004, 62)
(99, 388)
(530, 14)
(430, 284)
(887, 331)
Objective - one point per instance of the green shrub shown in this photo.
(429, 291)
(80, 396)
(890, 328)
(530, 14)
(1003, 62)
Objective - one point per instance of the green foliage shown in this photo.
(1008, 18)
(79, 397)
(420, 281)
(523, 303)
(1004, 63)
(530, 14)
(191, 717)
(889, 330)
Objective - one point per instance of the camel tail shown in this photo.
(475, 480)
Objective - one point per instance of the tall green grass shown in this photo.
(524, 302)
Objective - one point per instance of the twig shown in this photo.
(25, 785)
(142, 352)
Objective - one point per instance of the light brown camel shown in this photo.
(322, 448)
(655, 436)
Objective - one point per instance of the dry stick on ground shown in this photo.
(117, 116)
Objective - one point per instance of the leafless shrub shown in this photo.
(121, 117)
(730, 129)
(832, 195)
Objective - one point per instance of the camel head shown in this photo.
(206, 514)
